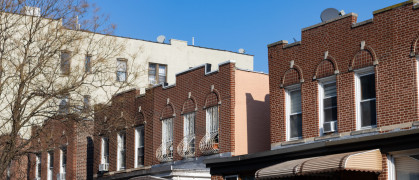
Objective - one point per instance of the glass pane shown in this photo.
(407, 167)
(162, 70)
(120, 76)
(329, 90)
(87, 64)
(162, 79)
(367, 86)
(121, 65)
(296, 126)
(329, 102)
(152, 69)
(330, 114)
(368, 114)
(295, 97)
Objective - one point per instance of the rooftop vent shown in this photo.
(31, 11)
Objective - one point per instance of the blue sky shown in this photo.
(229, 25)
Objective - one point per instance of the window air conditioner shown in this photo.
(104, 167)
(330, 126)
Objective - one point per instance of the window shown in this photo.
(64, 105)
(87, 64)
(65, 63)
(63, 162)
(293, 112)
(365, 97)
(328, 104)
(105, 151)
(121, 151)
(86, 103)
(189, 134)
(121, 72)
(38, 166)
(50, 162)
(403, 165)
(139, 146)
(157, 73)
(167, 137)
(212, 120)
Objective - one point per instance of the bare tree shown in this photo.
(52, 55)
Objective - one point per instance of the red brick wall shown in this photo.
(154, 108)
(388, 39)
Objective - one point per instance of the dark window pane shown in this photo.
(368, 114)
(296, 125)
(367, 86)
(330, 114)
(295, 97)
(329, 90)
(329, 102)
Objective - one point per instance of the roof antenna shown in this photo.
(295, 40)
(193, 41)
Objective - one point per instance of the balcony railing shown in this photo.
(186, 147)
(165, 152)
(209, 144)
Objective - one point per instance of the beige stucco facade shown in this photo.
(251, 112)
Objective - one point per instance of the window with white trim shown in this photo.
(63, 161)
(121, 158)
(366, 116)
(327, 104)
(403, 165)
(121, 70)
(212, 122)
(167, 137)
(50, 162)
(293, 113)
(105, 150)
(38, 166)
(139, 146)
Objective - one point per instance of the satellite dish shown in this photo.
(241, 51)
(328, 14)
(161, 39)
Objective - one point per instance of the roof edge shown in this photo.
(394, 6)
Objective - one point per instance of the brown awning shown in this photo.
(367, 161)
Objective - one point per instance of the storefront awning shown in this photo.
(366, 161)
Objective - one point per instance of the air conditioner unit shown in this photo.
(330, 126)
(61, 176)
(104, 167)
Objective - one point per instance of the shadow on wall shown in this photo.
(258, 124)
(89, 162)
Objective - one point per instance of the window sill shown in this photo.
(365, 131)
(291, 142)
(328, 136)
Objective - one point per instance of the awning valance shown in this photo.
(367, 161)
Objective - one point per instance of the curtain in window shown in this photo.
(167, 134)
(140, 148)
(212, 120)
(188, 124)
(152, 73)
(162, 74)
(121, 70)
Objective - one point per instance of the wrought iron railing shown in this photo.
(209, 144)
(186, 147)
(165, 152)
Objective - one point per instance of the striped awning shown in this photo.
(367, 161)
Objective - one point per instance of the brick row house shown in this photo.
(343, 102)
(168, 131)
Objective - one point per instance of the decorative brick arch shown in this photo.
(140, 120)
(326, 67)
(212, 99)
(363, 58)
(168, 111)
(293, 75)
(189, 105)
(415, 48)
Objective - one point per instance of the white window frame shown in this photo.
(120, 143)
(322, 82)
(358, 74)
(391, 161)
(50, 170)
(288, 89)
(391, 169)
(104, 141)
(38, 165)
(137, 145)
(62, 169)
(121, 69)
